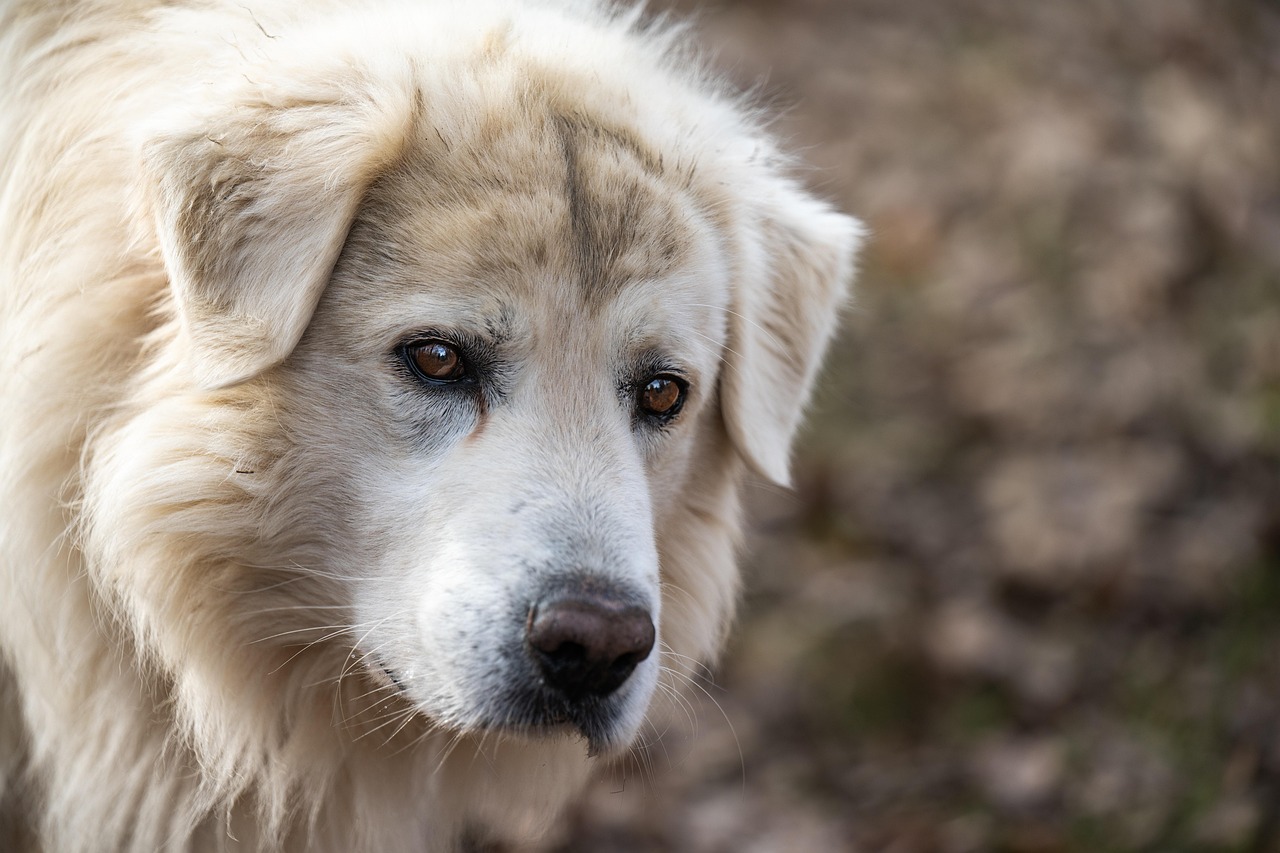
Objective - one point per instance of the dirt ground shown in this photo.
(1026, 594)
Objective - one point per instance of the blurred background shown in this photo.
(1026, 593)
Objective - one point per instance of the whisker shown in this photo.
(339, 629)
(696, 664)
(296, 607)
(742, 761)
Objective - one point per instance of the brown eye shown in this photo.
(662, 396)
(436, 360)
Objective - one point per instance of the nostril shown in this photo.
(568, 651)
(565, 655)
(588, 644)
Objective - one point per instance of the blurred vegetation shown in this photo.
(1026, 594)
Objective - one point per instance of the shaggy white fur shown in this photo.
(261, 585)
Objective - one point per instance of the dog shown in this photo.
(378, 380)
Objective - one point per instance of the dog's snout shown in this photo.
(588, 644)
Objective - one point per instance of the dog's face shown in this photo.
(507, 379)
(518, 335)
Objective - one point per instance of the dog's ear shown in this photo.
(252, 205)
(788, 299)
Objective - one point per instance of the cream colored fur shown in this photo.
(225, 513)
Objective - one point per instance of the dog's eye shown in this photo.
(435, 361)
(662, 396)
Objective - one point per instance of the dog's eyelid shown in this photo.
(458, 338)
(653, 362)
(438, 358)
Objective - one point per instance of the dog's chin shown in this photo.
(608, 725)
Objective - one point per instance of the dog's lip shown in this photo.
(544, 714)
(551, 728)
(541, 717)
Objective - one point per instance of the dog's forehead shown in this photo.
(525, 199)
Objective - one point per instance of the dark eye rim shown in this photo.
(661, 418)
(404, 353)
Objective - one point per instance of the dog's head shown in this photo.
(519, 320)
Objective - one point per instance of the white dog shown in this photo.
(377, 378)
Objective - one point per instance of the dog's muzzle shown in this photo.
(576, 661)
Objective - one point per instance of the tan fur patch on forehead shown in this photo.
(529, 190)
(624, 220)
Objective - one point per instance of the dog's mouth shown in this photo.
(540, 714)
(530, 711)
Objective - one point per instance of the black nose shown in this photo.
(587, 644)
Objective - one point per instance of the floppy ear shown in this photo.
(787, 303)
(252, 207)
